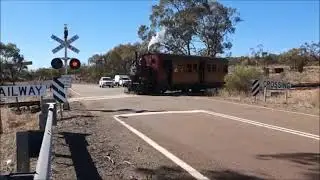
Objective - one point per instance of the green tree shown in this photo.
(240, 79)
(215, 22)
(12, 66)
(294, 58)
(117, 60)
(311, 51)
(190, 22)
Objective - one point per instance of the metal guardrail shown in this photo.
(43, 168)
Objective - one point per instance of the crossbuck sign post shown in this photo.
(57, 63)
(66, 44)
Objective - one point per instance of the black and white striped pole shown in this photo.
(255, 88)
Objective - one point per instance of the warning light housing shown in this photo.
(56, 63)
(74, 63)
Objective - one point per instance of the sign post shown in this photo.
(66, 44)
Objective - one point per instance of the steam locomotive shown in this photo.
(155, 73)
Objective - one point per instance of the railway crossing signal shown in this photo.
(56, 63)
(74, 63)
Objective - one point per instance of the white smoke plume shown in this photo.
(158, 38)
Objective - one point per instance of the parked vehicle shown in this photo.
(159, 72)
(121, 80)
(124, 81)
(106, 81)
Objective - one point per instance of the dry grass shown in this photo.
(298, 100)
(311, 74)
(306, 101)
(11, 124)
(306, 98)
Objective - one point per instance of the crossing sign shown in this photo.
(57, 48)
(65, 44)
(57, 39)
(74, 38)
(73, 48)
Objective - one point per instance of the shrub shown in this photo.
(240, 79)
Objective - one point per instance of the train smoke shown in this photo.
(158, 38)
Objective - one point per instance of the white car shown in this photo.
(106, 81)
(117, 79)
(124, 81)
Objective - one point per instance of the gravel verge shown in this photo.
(92, 145)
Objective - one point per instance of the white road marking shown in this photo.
(98, 98)
(75, 92)
(164, 112)
(278, 128)
(261, 107)
(193, 172)
(282, 129)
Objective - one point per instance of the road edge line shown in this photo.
(269, 126)
(193, 172)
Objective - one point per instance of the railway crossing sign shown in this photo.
(270, 84)
(22, 90)
(66, 43)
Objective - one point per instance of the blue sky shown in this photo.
(103, 24)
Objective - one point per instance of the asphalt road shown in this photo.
(179, 137)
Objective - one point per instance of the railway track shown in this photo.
(15, 104)
(305, 86)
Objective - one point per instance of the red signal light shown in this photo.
(74, 63)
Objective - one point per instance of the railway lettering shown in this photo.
(18, 91)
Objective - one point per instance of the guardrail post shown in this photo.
(28, 145)
(44, 113)
(22, 152)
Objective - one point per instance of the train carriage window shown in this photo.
(189, 67)
(180, 68)
(214, 67)
(209, 67)
(175, 68)
(195, 67)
